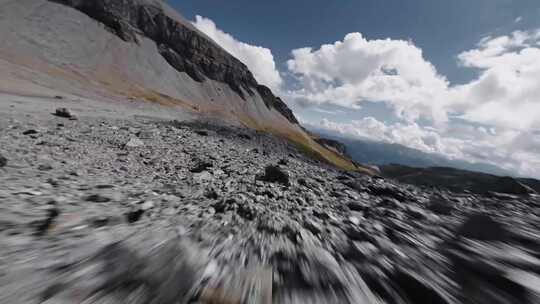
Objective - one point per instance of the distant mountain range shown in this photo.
(419, 168)
(461, 180)
(367, 151)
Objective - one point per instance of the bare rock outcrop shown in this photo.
(180, 44)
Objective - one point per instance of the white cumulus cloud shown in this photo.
(497, 114)
(350, 72)
(259, 60)
(507, 93)
(356, 69)
(509, 149)
(408, 134)
(494, 118)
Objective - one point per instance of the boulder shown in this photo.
(274, 174)
(201, 166)
(134, 143)
(482, 227)
(64, 113)
(441, 207)
(3, 161)
(30, 132)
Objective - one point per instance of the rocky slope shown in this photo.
(184, 48)
(120, 208)
(111, 191)
(333, 144)
(136, 50)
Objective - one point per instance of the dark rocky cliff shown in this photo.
(274, 102)
(180, 44)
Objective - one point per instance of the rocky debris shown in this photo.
(65, 113)
(30, 132)
(201, 166)
(482, 227)
(122, 219)
(97, 198)
(274, 174)
(250, 286)
(42, 227)
(202, 132)
(45, 167)
(137, 211)
(203, 177)
(440, 206)
(312, 226)
(134, 216)
(387, 190)
(134, 143)
(147, 134)
(244, 136)
(147, 205)
(122, 273)
(3, 161)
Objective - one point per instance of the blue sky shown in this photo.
(441, 28)
(458, 78)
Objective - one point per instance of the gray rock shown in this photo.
(203, 177)
(312, 226)
(483, 227)
(169, 211)
(3, 161)
(147, 134)
(30, 132)
(45, 167)
(42, 227)
(97, 198)
(441, 207)
(134, 143)
(201, 166)
(147, 205)
(65, 113)
(354, 220)
(134, 215)
(275, 174)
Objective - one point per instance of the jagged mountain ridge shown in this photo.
(179, 43)
(137, 50)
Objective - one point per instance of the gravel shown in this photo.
(193, 216)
